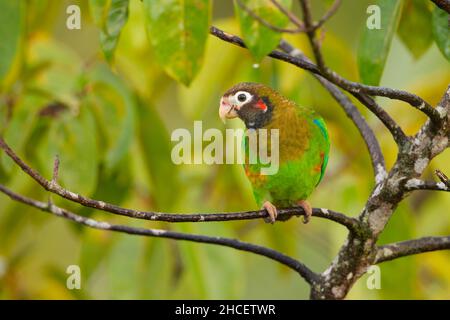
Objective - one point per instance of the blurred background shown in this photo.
(111, 123)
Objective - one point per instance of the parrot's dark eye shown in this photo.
(242, 97)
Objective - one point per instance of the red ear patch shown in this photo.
(260, 104)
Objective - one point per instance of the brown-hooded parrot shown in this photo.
(304, 145)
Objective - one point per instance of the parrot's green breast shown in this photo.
(303, 155)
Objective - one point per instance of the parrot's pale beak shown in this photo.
(226, 110)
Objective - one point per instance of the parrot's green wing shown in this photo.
(321, 124)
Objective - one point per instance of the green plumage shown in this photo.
(303, 151)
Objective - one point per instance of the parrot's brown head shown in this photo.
(248, 101)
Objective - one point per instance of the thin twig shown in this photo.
(442, 177)
(406, 248)
(416, 184)
(55, 170)
(306, 273)
(330, 12)
(289, 14)
(350, 223)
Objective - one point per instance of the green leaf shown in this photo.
(113, 106)
(441, 31)
(375, 43)
(260, 39)
(110, 16)
(54, 71)
(414, 29)
(20, 126)
(11, 29)
(177, 31)
(73, 139)
(156, 146)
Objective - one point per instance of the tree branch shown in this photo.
(397, 133)
(410, 98)
(306, 273)
(54, 187)
(443, 4)
(416, 184)
(233, 39)
(384, 117)
(309, 24)
(406, 248)
(352, 112)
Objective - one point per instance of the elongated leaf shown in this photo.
(260, 39)
(375, 43)
(441, 31)
(177, 30)
(414, 29)
(110, 16)
(11, 28)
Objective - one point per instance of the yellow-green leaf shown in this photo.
(260, 39)
(177, 31)
(375, 42)
(73, 139)
(415, 26)
(110, 16)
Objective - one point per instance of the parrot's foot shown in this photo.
(308, 210)
(271, 210)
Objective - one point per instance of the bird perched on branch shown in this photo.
(303, 145)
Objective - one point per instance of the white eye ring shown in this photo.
(242, 97)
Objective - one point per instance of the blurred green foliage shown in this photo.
(101, 98)
(260, 39)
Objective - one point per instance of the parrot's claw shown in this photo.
(271, 210)
(308, 210)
